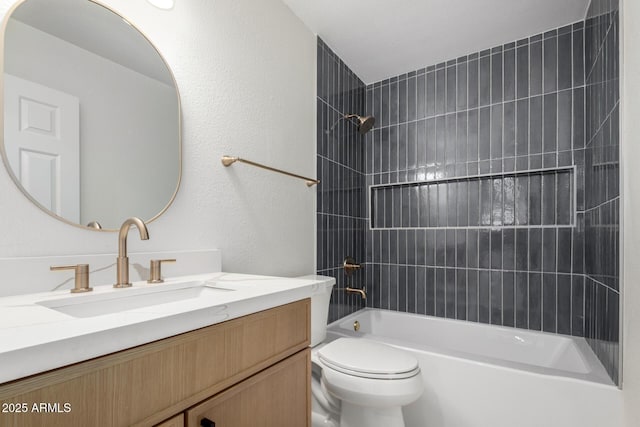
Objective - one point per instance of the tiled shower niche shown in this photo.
(520, 199)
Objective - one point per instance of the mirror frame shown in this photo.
(5, 160)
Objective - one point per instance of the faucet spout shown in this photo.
(122, 266)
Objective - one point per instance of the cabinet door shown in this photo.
(279, 396)
(177, 421)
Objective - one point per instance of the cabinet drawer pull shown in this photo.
(206, 422)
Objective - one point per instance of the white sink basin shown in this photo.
(120, 300)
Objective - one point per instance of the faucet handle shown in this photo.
(81, 276)
(156, 272)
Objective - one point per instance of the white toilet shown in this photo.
(357, 382)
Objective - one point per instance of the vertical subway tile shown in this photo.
(421, 142)
(496, 249)
(496, 298)
(564, 120)
(473, 206)
(550, 77)
(440, 248)
(564, 250)
(440, 284)
(496, 131)
(440, 140)
(421, 93)
(509, 130)
(563, 304)
(472, 135)
(549, 303)
(509, 74)
(522, 249)
(508, 249)
(578, 118)
(430, 91)
(522, 127)
(411, 99)
(411, 296)
(535, 199)
(472, 295)
(535, 68)
(564, 61)
(535, 249)
(549, 199)
(472, 248)
(461, 295)
(450, 254)
(484, 248)
(430, 292)
(450, 147)
(496, 78)
(461, 86)
(535, 125)
(550, 123)
(430, 248)
(484, 78)
(508, 299)
(486, 202)
(578, 57)
(535, 301)
(522, 300)
(402, 101)
(483, 296)
(451, 98)
(549, 250)
(473, 84)
(522, 71)
(385, 105)
(393, 103)
(497, 205)
(442, 205)
(461, 138)
(450, 293)
(421, 290)
(484, 136)
(440, 91)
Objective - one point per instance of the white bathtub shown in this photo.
(477, 375)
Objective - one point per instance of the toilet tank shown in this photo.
(320, 297)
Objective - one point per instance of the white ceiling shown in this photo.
(378, 39)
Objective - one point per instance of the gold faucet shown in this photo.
(123, 261)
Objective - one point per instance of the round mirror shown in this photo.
(91, 119)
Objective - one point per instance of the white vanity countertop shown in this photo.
(35, 338)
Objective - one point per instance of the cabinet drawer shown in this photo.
(150, 383)
(279, 396)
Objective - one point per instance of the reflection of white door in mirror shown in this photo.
(41, 134)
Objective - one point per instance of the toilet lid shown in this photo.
(368, 359)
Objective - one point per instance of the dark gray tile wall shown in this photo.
(476, 190)
(341, 214)
(602, 178)
(465, 176)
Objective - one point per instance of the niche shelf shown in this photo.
(524, 199)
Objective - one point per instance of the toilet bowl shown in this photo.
(357, 382)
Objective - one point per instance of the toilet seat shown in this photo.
(368, 359)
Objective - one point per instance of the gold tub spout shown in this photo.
(362, 292)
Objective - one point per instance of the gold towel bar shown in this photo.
(229, 160)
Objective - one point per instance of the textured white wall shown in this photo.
(630, 146)
(246, 73)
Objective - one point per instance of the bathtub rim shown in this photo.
(597, 375)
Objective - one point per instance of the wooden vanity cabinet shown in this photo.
(250, 371)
